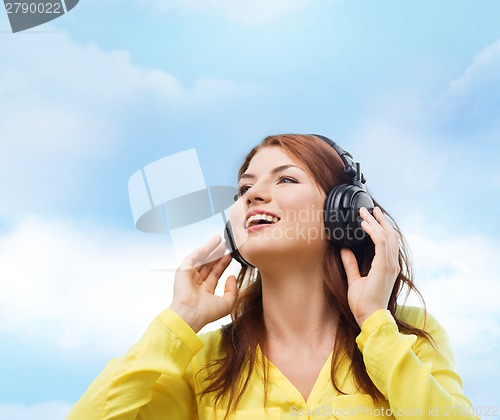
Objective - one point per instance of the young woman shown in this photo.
(316, 331)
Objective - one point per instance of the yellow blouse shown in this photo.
(156, 378)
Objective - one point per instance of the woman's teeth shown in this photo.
(254, 219)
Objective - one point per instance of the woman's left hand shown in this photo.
(372, 292)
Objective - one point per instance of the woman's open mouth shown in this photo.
(260, 221)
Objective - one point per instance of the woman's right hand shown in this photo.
(195, 282)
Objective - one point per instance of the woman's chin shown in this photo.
(264, 252)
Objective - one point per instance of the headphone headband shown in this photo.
(351, 168)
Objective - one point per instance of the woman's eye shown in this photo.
(282, 179)
(243, 189)
(287, 179)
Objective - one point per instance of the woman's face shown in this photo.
(279, 210)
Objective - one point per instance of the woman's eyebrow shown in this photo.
(274, 171)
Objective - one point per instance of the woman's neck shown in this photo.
(295, 309)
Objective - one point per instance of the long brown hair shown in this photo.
(241, 337)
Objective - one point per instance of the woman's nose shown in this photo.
(258, 192)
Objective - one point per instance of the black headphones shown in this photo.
(341, 210)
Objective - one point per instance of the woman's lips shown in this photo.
(260, 217)
(254, 228)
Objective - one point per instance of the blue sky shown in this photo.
(412, 89)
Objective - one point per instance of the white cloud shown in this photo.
(458, 277)
(76, 288)
(55, 68)
(62, 283)
(56, 410)
(425, 154)
(483, 71)
(472, 100)
(64, 107)
(246, 12)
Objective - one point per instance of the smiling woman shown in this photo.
(316, 328)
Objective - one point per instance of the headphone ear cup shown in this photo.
(341, 215)
(231, 245)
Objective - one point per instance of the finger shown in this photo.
(374, 230)
(199, 256)
(386, 225)
(368, 217)
(217, 253)
(230, 291)
(350, 265)
(386, 244)
(212, 260)
(393, 238)
(393, 243)
(371, 226)
(214, 275)
(382, 245)
(206, 268)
